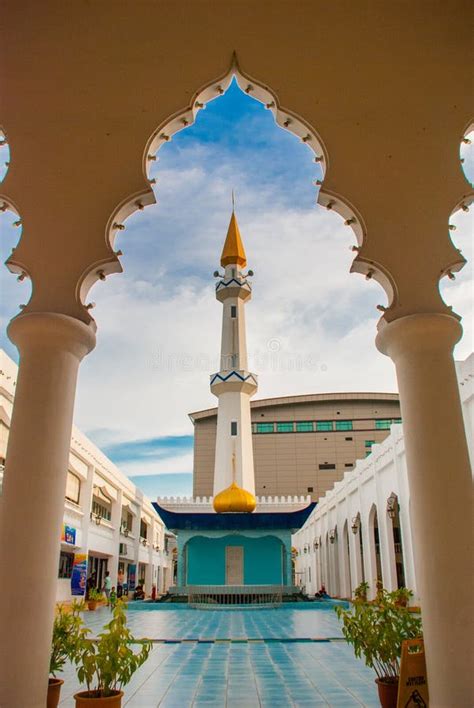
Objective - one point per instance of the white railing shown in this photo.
(222, 596)
(204, 501)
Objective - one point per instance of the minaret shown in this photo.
(234, 479)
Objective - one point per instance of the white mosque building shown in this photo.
(361, 530)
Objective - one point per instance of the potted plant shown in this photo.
(360, 593)
(107, 664)
(403, 596)
(95, 596)
(376, 630)
(67, 632)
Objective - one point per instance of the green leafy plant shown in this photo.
(108, 663)
(95, 595)
(68, 631)
(377, 629)
(403, 596)
(360, 593)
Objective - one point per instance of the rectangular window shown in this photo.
(382, 424)
(66, 561)
(348, 438)
(304, 426)
(397, 420)
(73, 488)
(127, 520)
(310, 489)
(369, 443)
(143, 529)
(323, 425)
(349, 464)
(343, 424)
(265, 428)
(101, 510)
(233, 311)
(284, 427)
(327, 466)
(233, 428)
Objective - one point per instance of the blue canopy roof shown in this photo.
(174, 521)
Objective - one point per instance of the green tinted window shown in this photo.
(264, 428)
(383, 424)
(324, 425)
(397, 420)
(284, 427)
(343, 424)
(369, 443)
(304, 426)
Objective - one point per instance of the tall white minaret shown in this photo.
(233, 384)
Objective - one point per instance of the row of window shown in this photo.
(100, 507)
(319, 426)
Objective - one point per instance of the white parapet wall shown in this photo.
(361, 530)
(204, 505)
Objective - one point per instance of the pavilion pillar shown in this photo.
(51, 347)
(439, 479)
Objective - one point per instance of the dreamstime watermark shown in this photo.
(274, 358)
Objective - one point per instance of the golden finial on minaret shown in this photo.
(233, 251)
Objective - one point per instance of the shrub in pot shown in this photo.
(403, 597)
(67, 634)
(95, 596)
(376, 631)
(360, 593)
(107, 664)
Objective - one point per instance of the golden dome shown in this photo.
(233, 251)
(234, 499)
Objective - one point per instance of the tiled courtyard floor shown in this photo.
(244, 659)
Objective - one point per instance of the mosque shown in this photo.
(380, 98)
(235, 539)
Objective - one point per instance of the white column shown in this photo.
(439, 477)
(51, 347)
(116, 521)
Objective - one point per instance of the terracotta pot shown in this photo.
(54, 690)
(86, 699)
(92, 604)
(388, 692)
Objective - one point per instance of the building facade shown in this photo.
(361, 530)
(301, 444)
(107, 520)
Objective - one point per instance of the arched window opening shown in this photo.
(169, 252)
(393, 512)
(361, 547)
(378, 560)
(347, 590)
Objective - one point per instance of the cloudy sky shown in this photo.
(311, 325)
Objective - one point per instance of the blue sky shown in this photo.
(311, 325)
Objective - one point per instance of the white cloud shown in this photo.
(174, 465)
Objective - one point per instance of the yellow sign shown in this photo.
(413, 684)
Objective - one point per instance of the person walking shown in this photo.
(107, 586)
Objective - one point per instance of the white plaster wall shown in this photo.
(371, 483)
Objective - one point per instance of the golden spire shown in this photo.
(234, 499)
(233, 251)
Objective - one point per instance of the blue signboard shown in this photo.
(79, 574)
(132, 576)
(69, 535)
